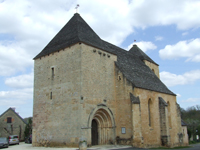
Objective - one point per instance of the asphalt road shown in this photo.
(193, 147)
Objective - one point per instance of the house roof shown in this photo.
(10, 109)
(130, 63)
(183, 123)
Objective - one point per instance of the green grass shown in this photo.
(193, 142)
(179, 147)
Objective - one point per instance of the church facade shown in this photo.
(86, 89)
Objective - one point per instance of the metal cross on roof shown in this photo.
(77, 8)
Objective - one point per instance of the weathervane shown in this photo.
(77, 8)
(134, 42)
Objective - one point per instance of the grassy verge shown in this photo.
(193, 142)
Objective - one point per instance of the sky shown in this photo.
(166, 30)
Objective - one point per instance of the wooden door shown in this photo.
(94, 132)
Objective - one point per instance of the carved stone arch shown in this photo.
(95, 110)
(105, 122)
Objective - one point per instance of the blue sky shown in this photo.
(167, 31)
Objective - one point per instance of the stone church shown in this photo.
(87, 89)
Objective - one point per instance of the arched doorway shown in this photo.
(94, 132)
(103, 127)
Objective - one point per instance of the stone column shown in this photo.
(164, 124)
(136, 121)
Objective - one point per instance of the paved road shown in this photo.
(23, 146)
(193, 147)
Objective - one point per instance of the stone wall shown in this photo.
(98, 92)
(185, 135)
(152, 135)
(123, 108)
(57, 97)
(83, 80)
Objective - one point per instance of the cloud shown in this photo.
(16, 97)
(192, 100)
(184, 33)
(144, 46)
(27, 26)
(32, 24)
(181, 13)
(189, 49)
(21, 81)
(187, 78)
(178, 95)
(13, 58)
(158, 38)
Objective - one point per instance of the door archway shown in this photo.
(102, 125)
(94, 132)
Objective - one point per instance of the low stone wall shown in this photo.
(124, 141)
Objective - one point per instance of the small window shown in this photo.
(51, 95)
(52, 72)
(9, 120)
(119, 77)
(153, 70)
(150, 112)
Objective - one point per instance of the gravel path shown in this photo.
(24, 146)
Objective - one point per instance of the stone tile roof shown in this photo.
(134, 100)
(162, 101)
(183, 123)
(130, 63)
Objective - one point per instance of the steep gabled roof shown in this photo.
(130, 63)
(137, 51)
(10, 109)
(76, 30)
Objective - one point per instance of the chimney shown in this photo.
(13, 108)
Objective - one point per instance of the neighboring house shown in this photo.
(185, 134)
(12, 124)
(88, 89)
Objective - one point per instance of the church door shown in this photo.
(94, 132)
